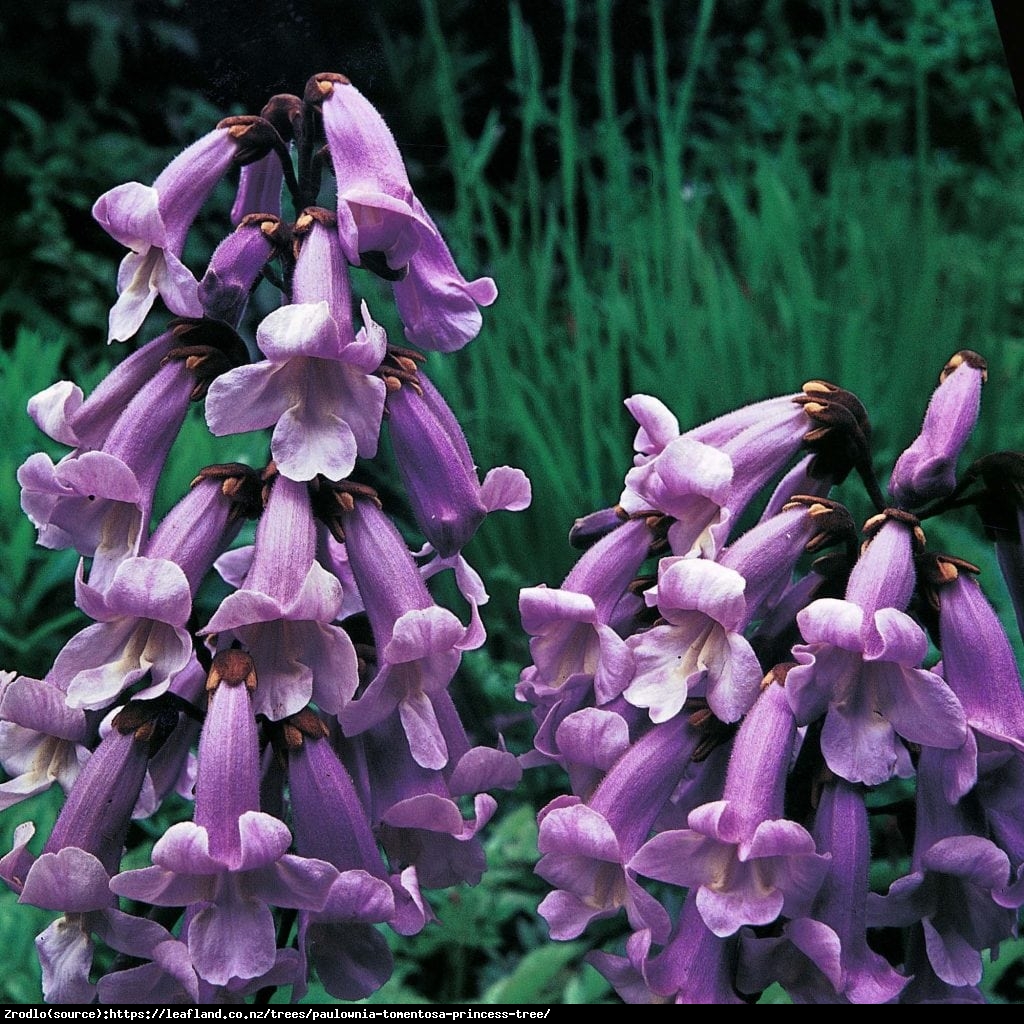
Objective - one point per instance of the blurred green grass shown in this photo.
(796, 239)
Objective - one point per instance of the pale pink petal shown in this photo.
(264, 840)
(130, 214)
(71, 880)
(421, 632)
(53, 409)
(505, 487)
(734, 678)
(658, 425)
(248, 398)
(310, 438)
(232, 938)
(65, 955)
(426, 741)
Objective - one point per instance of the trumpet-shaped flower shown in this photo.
(153, 221)
(825, 957)
(573, 627)
(284, 611)
(695, 966)
(314, 387)
(375, 199)
(959, 886)
(858, 669)
(231, 864)
(585, 846)
(747, 863)
(419, 643)
(143, 608)
(42, 740)
(700, 649)
(926, 471)
(440, 309)
(438, 471)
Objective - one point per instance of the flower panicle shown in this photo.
(734, 676)
(272, 706)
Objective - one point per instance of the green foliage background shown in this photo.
(707, 202)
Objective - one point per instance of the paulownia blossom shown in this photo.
(775, 850)
(825, 957)
(959, 886)
(387, 792)
(315, 387)
(231, 863)
(153, 221)
(574, 627)
(419, 643)
(747, 863)
(859, 668)
(587, 845)
(284, 612)
(437, 468)
(72, 874)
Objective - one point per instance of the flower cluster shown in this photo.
(309, 717)
(735, 686)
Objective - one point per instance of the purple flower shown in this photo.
(979, 666)
(705, 478)
(419, 644)
(315, 387)
(573, 627)
(825, 958)
(284, 611)
(330, 822)
(438, 471)
(231, 863)
(42, 740)
(926, 471)
(144, 607)
(959, 888)
(375, 200)
(142, 614)
(746, 862)
(697, 647)
(585, 846)
(420, 823)
(170, 977)
(230, 934)
(98, 498)
(62, 412)
(440, 309)
(153, 221)
(695, 966)
(858, 670)
(65, 950)
(235, 267)
(766, 555)
(590, 741)
(378, 213)
(689, 481)
(72, 873)
(700, 649)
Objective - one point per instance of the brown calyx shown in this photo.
(232, 667)
(239, 483)
(330, 500)
(321, 85)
